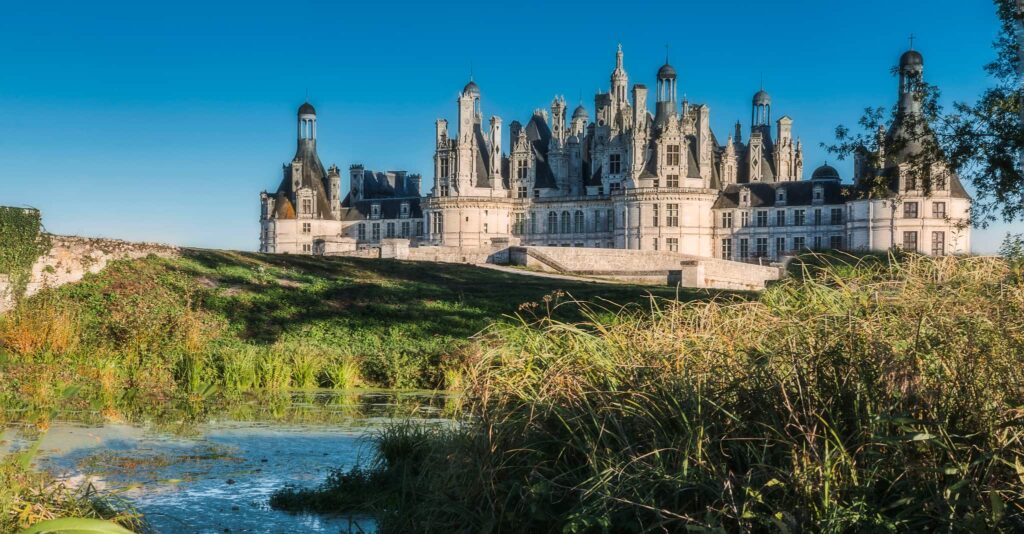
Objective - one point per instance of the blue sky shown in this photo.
(163, 121)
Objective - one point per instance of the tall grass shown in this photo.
(887, 395)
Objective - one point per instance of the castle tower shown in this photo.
(467, 145)
(620, 81)
(307, 124)
(761, 112)
(666, 97)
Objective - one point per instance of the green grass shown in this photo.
(876, 395)
(212, 325)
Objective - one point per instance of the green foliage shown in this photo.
(212, 324)
(76, 526)
(23, 241)
(1012, 247)
(885, 397)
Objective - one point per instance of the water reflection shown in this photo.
(213, 470)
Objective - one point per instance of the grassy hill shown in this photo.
(223, 323)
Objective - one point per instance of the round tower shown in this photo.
(307, 122)
(761, 114)
(911, 73)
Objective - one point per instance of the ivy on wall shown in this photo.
(22, 241)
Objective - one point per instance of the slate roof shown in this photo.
(390, 208)
(762, 195)
(539, 135)
(313, 177)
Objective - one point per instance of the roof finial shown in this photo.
(470, 70)
(762, 81)
(911, 41)
(307, 95)
(666, 53)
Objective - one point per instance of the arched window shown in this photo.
(552, 222)
(577, 223)
(566, 228)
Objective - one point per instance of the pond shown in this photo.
(217, 474)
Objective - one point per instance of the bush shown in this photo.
(887, 395)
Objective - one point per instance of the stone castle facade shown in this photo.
(627, 179)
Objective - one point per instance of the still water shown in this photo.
(217, 474)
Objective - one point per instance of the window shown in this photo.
(656, 182)
(577, 222)
(939, 210)
(745, 198)
(817, 216)
(552, 222)
(614, 188)
(938, 243)
(533, 223)
(306, 247)
(780, 195)
(817, 242)
(419, 228)
(437, 224)
(521, 192)
(672, 155)
(614, 163)
(518, 224)
(672, 244)
(390, 230)
(835, 242)
(610, 220)
(672, 215)
(376, 232)
(521, 169)
(799, 217)
(375, 211)
(762, 218)
(780, 246)
(910, 210)
(536, 193)
(362, 231)
(744, 249)
(837, 216)
(727, 219)
(672, 180)
(405, 228)
(744, 219)
(444, 167)
(597, 220)
(940, 182)
(761, 247)
(799, 244)
(780, 218)
(445, 191)
(404, 211)
(566, 225)
(486, 231)
(726, 249)
(817, 193)
(307, 228)
(656, 215)
(655, 243)
(307, 205)
(910, 241)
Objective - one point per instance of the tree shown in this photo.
(982, 142)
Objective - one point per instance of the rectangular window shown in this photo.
(726, 249)
(614, 163)
(307, 205)
(835, 242)
(672, 215)
(307, 228)
(780, 218)
(485, 229)
(744, 219)
(390, 232)
(517, 226)
(419, 228)
(362, 231)
(910, 241)
(656, 216)
(536, 193)
(780, 246)
(744, 249)
(762, 218)
(837, 216)
(306, 247)
(610, 221)
(445, 191)
(521, 192)
(910, 210)
(727, 219)
(672, 155)
(938, 243)
(375, 211)
(533, 224)
(672, 244)
(761, 247)
(799, 217)
(444, 167)
(817, 242)
(672, 180)
(940, 182)
(615, 188)
(817, 216)
(404, 211)
(799, 244)
(939, 210)
(437, 224)
(405, 228)
(376, 232)
(655, 243)
(521, 169)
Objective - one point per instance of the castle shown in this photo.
(628, 179)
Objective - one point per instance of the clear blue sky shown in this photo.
(164, 121)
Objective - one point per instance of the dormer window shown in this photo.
(404, 213)
(745, 197)
(307, 206)
(375, 211)
(818, 194)
(672, 155)
(780, 196)
(615, 163)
